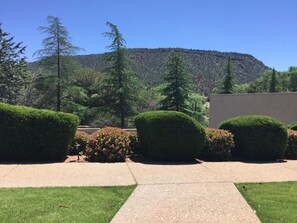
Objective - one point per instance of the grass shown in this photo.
(273, 202)
(62, 204)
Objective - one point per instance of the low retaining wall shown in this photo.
(92, 130)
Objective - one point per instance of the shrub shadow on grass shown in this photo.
(144, 160)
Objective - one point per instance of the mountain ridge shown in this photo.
(204, 66)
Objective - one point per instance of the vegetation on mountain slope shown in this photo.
(205, 67)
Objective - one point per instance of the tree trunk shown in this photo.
(59, 79)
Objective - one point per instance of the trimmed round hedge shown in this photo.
(257, 137)
(28, 134)
(169, 135)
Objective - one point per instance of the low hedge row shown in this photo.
(169, 135)
(28, 134)
(108, 145)
(218, 145)
(257, 137)
(291, 152)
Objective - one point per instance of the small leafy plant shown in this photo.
(291, 152)
(81, 139)
(218, 145)
(108, 145)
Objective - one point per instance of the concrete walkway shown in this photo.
(166, 192)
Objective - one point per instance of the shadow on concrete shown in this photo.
(68, 159)
(141, 159)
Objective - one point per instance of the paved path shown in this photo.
(167, 192)
(65, 174)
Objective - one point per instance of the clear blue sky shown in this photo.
(266, 29)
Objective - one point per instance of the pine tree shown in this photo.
(227, 87)
(177, 87)
(119, 91)
(13, 68)
(273, 81)
(56, 45)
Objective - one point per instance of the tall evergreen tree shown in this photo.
(292, 72)
(56, 46)
(273, 81)
(119, 92)
(177, 87)
(13, 67)
(228, 82)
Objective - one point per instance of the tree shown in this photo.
(197, 108)
(13, 68)
(273, 81)
(177, 88)
(119, 90)
(227, 87)
(292, 72)
(56, 46)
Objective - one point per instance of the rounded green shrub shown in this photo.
(80, 138)
(291, 152)
(292, 126)
(28, 134)
(169, 135)
(218, 145)
(257, 137)
(108, 145)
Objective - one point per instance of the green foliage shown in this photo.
(273, 81)
(177, 87)
(119, 93)
(108, 145)
(81, 139)
(169, 135)
(257, 137)
(241, 88)
(134, 142)
(35, 135)
(196, 107)
(292, 126)
(79, 91)
(13, 68)
(291, 152)
(205, 68)
(292, 73)
(228, 82)
(218, 145)
(56, 45)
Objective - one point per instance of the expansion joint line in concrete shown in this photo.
(185, 183)
(131, 173)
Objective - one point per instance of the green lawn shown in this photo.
(273, 202)
(62, 204)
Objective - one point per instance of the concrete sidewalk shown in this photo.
(166, 192)
(65, 174)
(197, 192)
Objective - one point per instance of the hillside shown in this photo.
(205, 67)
